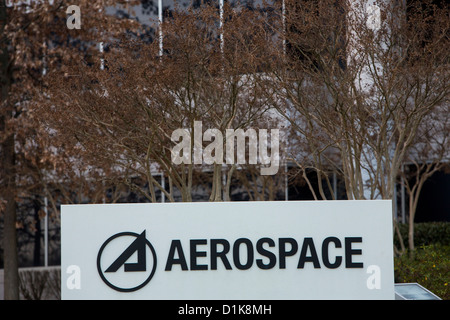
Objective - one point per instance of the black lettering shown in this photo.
(282, 250)
(220, 254)
(195, 254)
(349, 252)
(236, 258)
(176, 246)
(265, 253)
(308, 243)
(325, 255)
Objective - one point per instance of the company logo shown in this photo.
(126, 262)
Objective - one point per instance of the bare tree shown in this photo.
(362, 99)
(357, 84)
(34, 38)
(428, 155)
(124, 116)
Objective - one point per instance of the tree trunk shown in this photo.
(411, 235)
(11, 271)
(7, 161)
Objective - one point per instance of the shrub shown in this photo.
(426, 233)
(429, 266)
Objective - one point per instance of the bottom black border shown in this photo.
(280, 309)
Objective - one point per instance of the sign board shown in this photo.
(228, 250)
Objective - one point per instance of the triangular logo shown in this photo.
(137, 245)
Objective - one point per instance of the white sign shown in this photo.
(228, 250)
